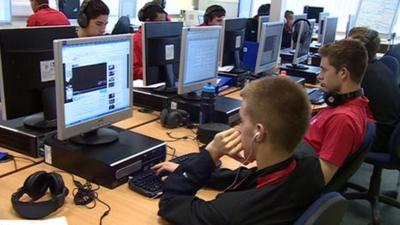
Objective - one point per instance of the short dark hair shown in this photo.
(96, 8)
(264, 10)
(150, 11)
(42, 1)
(214, 11)
(285, 116)
(288, 12)
(369, 37)
(347, 53)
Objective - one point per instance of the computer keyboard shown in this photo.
(149, 184)
(316, 95)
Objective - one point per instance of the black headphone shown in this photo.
(141, 13)
(336, 99)
(173, 118)
(83, 19)
(35, 186)
(212, 9)
(307, 33)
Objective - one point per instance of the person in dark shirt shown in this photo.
(93, 18)
(252, 24)
(45, 16)
(276, 191)
(214, 15)
(380, 87)
(287, 30)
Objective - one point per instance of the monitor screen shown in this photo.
(303, 42)
(27, 70)
(161, 52)
(329, 30)
(233, 36)
(313, 12)
(5, 11)
(194, 17)
(93, 83)
(261, 21)
(199, 57)
(269, 46)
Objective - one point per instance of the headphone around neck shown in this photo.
(336, 99)
(83, 19)
(35, 186)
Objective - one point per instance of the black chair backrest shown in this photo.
(352, 163)
(394, 144)
(395, 52)
(123, 26)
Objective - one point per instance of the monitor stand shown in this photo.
(47, 119)
(96, 137)
(310, 74)
(297, 66)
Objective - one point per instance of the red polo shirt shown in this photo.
(47, 17)
(137, 56)
(337, 132)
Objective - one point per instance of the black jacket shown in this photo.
(277, 203)
(381, 89)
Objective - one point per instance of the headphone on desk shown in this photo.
(83, 19)
(336, 99)
(307, 32)
(35, 186)
(173, 118)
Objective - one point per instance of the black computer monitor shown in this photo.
(27, 73)
(313, 12)
(161, 53)
(329, 30)
(233, 36)
(302, 34)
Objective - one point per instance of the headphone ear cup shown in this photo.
(332, 100)
(56, 183)
(163, 117)
(174, 119)
(35, 186)
(185, 117)
(83, 20)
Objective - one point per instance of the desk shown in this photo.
(137, 119)
(8, 168)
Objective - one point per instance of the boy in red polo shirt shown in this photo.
(338, 131)
(150, 12)
(45, 16)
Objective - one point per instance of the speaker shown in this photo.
(335, 99)
(173, 118)
(83, 19)
(35, 186)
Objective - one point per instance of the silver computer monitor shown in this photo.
(93, 85)
(5, 12)
(261, 20)
(302, 43)
(199, 58)
(194, 17)
(269, 46)
(329, 30)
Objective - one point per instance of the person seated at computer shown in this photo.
(287, 30)
(252, 24)
(163, 4)
(150, 12)
(380, 87)
(214, 15)
(269, 133)
(45, 16)
(337, 131)
(93, 18)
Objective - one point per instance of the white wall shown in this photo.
(231, 6)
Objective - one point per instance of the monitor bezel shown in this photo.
(182, 89)
(296, 58)
(63, 132)
(261, 20)
(327, 20)
(264, 29)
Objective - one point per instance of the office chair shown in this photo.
(395, 52)
(380, 161)
(123, 26)
(353, 163)
(329, 209)
(394, 66)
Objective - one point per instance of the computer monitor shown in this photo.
(351, 22)
(69, 7)
(329, 30)
(194, 17)
(245, 8)
(161, 51)
(313, 12)
(127, 8)
(5, 12)
(302, 43)
(199, 58)
(27, 73)
(261, 21)
(269, 46)
(233, 35)
(93, 87)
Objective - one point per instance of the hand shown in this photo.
(226, 143)
(164, 167)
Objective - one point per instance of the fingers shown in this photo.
(164, 167)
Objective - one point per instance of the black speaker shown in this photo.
(207, 131)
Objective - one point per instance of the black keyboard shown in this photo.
(316, 96)
(149, 184)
